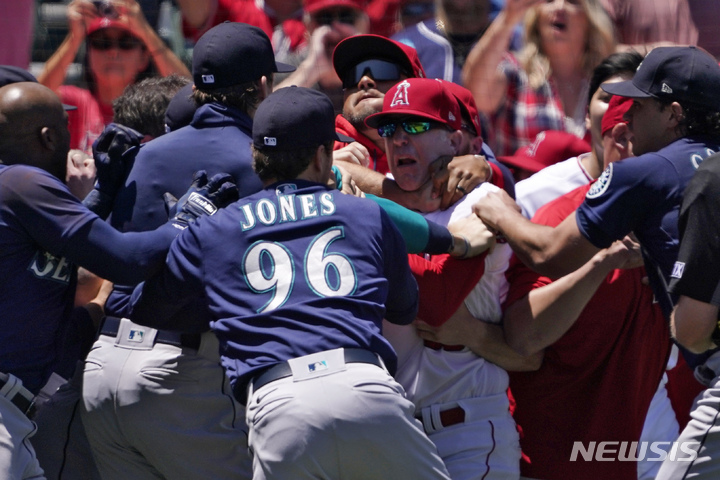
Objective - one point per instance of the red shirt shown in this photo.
(378, 160)
(597, 381)
(88, 121)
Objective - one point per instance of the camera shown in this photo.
(105, 9)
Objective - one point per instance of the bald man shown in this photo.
(44, 233)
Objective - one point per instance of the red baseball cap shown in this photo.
(420, 97)
(312, 6)
(358, 48)
(101, 23)
(617, 108)
(467, 104)
(548, 148)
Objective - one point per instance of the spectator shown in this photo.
(16, 33)
(642, 25)
(119, 47)
(551, 182)
(328, 22)
(545, 85)
(444, 41)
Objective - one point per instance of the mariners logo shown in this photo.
(46, 266)
(601, 184)
(401, 94)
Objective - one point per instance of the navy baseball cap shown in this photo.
(11, 74)
(295, 117)
(180, 110)
(684, 74)
(232, 53)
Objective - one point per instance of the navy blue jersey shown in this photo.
(292, 270)
(44, 231)
(217, 141)
(643, 195)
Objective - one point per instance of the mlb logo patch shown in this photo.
(136, 335)
(678, 270)
(208, 78)
(270, 141)
(317, 366)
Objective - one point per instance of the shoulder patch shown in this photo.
(601, 184)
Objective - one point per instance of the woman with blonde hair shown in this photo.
(545, 85)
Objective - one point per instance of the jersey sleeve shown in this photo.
(420, 235)
(696, 273)
(167, 300)
(620, 198)
(59, 223)
(401, 305)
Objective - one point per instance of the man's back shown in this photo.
(217, 140)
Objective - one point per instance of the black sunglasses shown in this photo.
(103, 43)
(411, 127)
(347, 17)
(378, 70)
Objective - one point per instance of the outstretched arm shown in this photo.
(551, 251)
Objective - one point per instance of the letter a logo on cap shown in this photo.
(401, 94)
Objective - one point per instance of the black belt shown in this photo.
(282, 370)
(23, 399)
(448, 418)
(111, 325)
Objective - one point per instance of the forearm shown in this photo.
(196, 13)
(692, 324)
(480, 73)
(163, 57)
(489, 343)
(306, 75)
(547, 313)
(54, 71)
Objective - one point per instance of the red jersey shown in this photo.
(597, 381)
(89, 120)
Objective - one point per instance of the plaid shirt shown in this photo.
(527, 111)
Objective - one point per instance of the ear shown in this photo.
(48, 138)
(677, 113)
(456, 138)
(622, 139)
(476, 145)
(265, 87)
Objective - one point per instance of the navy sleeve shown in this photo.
(402, 300)
(60, 224)
(620, 198)
(169, 300)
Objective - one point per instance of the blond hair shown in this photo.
(600, 43)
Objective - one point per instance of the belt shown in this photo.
(110, 326)
(282, 370)
(21, 397)
(440, 346)
(448, 418)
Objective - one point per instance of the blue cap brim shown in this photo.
(624, 89)
(343, 138)
(284, 67)
(68, 107)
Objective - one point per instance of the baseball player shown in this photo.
(695, 321)
(157, 403)
(45, 231)
(468, 420)
(298, 278)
